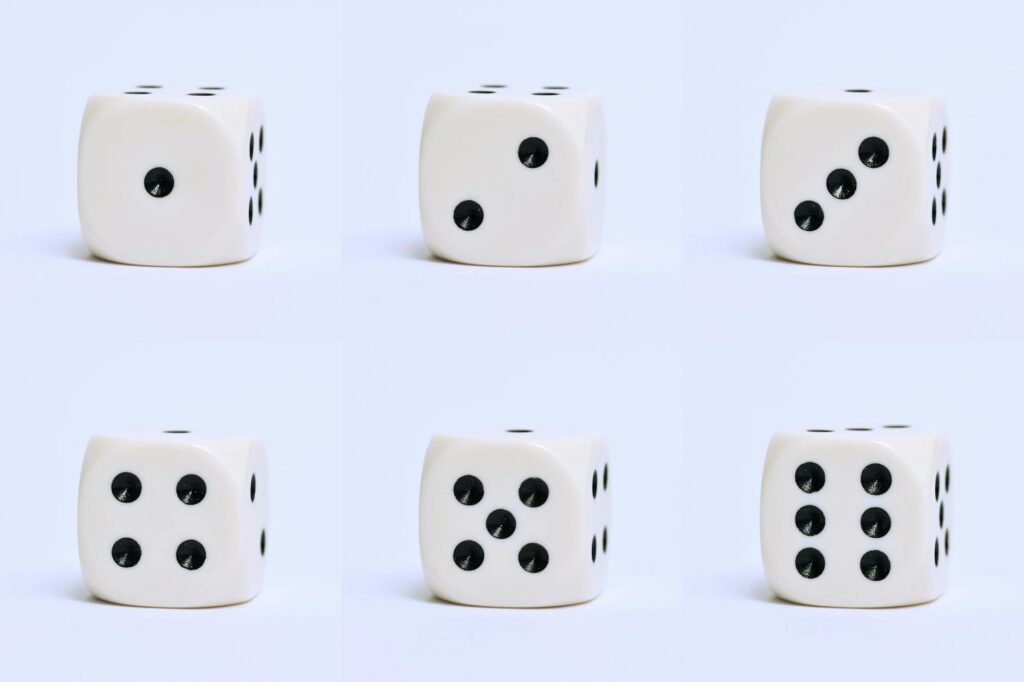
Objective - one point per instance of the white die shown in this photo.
(856, 517)
(515, 519)
(855, 178)
(172, 177)
(173, 519)
(513, 176)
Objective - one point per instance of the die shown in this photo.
(173, 519)
(515, 519)
(855, 178)
(172, 177)
(513, 176)
(857, 517)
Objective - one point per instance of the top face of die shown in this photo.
(512, 176)
(855, 178)
(172, 176)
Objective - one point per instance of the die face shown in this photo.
(855, 178)
(510, 177)
(515, 521)
(172, 177)
(854, 518)
(169, 522)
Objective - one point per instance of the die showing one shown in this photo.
(855, 178)
(513, 176)
(173, 519)
(857, 517)
(515, 519)
(172, 177)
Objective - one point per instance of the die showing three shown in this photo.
(855, 178)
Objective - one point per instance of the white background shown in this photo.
(433, 346)
(87, 346)
(683, 341)
(770, 345)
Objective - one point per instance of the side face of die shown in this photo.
(513, 177)
(172, 177)
(171, 520)
(857, 517)
(515, 520)
(855, 178)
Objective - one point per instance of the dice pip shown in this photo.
(857, 517)
(173, 519)
(515, 519)
(856, 178)
(513, 176)
(172, 177)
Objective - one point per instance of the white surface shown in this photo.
(911, 542)
(226, 523)
(89, 347)
(547, 214)
(567, 522)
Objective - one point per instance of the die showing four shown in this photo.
(173, 519)
(172, 177)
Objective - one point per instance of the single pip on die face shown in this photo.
(515, 518)
(855, 177)
(172, 176)
(513, 176)
(857, 516)
(173, 519)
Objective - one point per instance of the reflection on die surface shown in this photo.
(857, 517)
(172, 177)
(173, 519)
(855, 178)
(515, 518)
(513, 176)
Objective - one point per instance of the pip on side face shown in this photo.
(512, 176)
(515, 519)
(172, 177)
(857, 516)
(855, 178)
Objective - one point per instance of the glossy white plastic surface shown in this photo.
(229, 522)
(888, 220)
(918, 505)
(210, 141)
(571, 525)
(547, 214)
